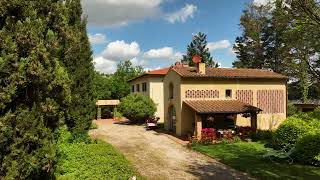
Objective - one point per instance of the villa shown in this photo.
(192, 98)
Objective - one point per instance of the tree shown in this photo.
(102, 86)
(77, 57)
(249, 47)
(198, 46)
(277, 37)
(125, 71)
(34, 87)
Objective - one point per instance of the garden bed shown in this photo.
(247, 157)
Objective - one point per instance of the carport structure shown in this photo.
(218, 110)
(113, 103)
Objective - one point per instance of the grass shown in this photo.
(93, 161)
(247, 157)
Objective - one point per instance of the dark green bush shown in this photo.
(262, 135)
(308, 149)
(292, 109)
(290, 132)
(137, 107)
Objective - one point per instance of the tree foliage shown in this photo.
(45, 80)
(281, 36)
(137, 107)
(198, 46)
(77, 57)
(119, 81)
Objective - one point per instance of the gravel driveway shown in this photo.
(155, 156)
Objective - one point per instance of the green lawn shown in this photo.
(247, 157)
(93, 161)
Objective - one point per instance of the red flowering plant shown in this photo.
(208, 135)
(245, 131)
(227, 134)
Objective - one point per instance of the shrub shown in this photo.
(117, 114)
(308, 149)
(208, 135)
(245, 131)
(92, 161)
(137, 107)
(292, 109)
(93, 126)
(290, 132)
(262, 135)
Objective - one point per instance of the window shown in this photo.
(138, 87)
(144, 87)
(171, 91)
(132, 88)
(228, 93)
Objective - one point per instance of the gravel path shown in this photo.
(155, 156)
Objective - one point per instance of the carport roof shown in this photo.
(112, 102)
(220, 106)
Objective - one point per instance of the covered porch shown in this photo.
(220, 114)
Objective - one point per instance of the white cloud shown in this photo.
(262, 2)
(162, 53)
(104, 65)
(138, 62)
(120, 50)
(119, 12)
(97, 38)
(223, 44)
(183, 14)
(231, 52)
(177, 56)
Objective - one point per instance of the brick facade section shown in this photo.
(270, 101)
(202, 94)
(245, 96)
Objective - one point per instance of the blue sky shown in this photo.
(155, 33)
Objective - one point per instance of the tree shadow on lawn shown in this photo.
(212, 170)
(248, 158)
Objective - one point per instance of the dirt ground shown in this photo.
(155, 156)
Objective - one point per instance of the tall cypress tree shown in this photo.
(34, 87)
(198, 46)
(77, 57)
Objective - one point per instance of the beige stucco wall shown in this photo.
(185, 116)
(173, 78)
(154, 91)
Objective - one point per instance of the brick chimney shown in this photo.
(201, 67)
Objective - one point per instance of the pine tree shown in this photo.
(34, 87)
(249, 47)
(198, 46)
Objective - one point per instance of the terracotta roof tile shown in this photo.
(220, 106)
(162, 71)
(228, 73)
